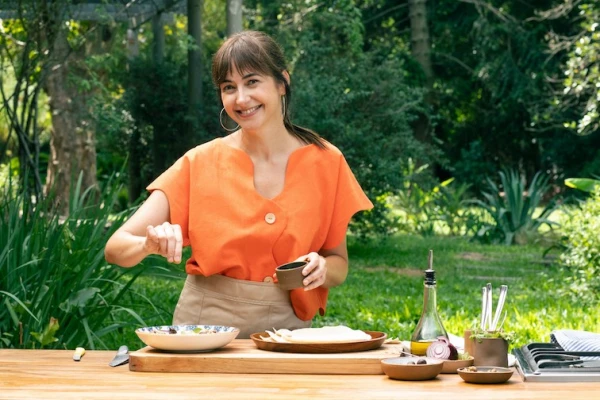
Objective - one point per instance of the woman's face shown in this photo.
(251, 99)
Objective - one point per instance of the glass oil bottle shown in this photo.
(430, 326)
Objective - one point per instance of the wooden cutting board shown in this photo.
(243, 357)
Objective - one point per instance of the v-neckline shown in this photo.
(252, 168)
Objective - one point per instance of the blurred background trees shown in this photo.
(464, 87)
(458, 117)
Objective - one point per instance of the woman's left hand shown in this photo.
(315, 271)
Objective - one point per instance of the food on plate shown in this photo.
(474, 369)
(442, 349)
(420, 361)
(199, 330)
(326, 334)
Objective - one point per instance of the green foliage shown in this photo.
(416, 201)
(585, 184)
(355, 100)
(513, 208)
(489, 86)
(454, 213)
(498, 65)
(142, 113)
(48, 335)
(56, 290)
(427, 208)
(581, 254)
(478, 334)
(583, 71)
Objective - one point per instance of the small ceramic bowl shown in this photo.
(290, 275)
(405, 369)
(450, 366)
(485, 374)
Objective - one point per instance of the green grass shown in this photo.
(384, 289)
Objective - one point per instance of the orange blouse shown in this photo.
(236, 232)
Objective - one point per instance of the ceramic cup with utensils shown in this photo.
(290, 275)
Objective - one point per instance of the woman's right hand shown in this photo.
(165, 240)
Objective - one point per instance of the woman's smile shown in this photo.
(249, 111)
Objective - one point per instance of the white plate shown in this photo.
(183, 337)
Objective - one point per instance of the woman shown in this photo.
(268, 193)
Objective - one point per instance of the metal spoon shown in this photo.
(484, 300)
(488, 313)
(499, 306)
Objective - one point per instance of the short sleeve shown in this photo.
(175, 183)
(349, 199)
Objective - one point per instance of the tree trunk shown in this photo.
(234, 16)
(194, 66)
(72, 142)
(158, 45)
(421, 51)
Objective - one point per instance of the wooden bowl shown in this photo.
(450, 366)
(485, 374)
(402, 368)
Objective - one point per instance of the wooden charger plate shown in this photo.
(377, 339)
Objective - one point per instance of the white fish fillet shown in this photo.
(326, 334)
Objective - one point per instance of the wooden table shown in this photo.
(52, 374)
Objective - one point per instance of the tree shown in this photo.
(195, 64)
(421, 51)
(46, 50)
(26, 52)
(73, 139)
(234, 16)
(582, 73)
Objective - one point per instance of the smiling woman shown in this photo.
(268, 193)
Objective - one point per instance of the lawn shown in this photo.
(384, 289)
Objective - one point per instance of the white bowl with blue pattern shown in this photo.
(187, 337)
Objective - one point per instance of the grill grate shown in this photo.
(548, 362)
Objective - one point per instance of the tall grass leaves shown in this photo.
(52, 267)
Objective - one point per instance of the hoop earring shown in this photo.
(223, 125)
(283, 106)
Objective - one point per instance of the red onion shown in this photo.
(442, 349)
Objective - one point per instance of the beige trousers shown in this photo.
(251, 306)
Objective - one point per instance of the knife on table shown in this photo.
(122, 357)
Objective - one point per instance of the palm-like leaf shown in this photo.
(513, 206)
(52, 267)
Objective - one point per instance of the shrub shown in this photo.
(513, 208)
(581, 253)
(56, 289)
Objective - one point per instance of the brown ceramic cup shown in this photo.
(487, 351)
(490, 352)
(468, 342)
(290, 275)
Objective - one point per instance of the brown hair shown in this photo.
(257, 52)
